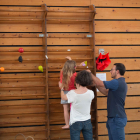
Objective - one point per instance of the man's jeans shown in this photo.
(115, 128)
(85, 127)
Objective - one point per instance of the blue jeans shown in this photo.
(81, 126)
(115, 128)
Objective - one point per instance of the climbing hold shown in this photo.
(40, 68)
(20, 59)
(21, 50)
(2, 69)
(85, 63)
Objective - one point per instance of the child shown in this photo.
(67, 79)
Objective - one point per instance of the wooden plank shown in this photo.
(100, 26)
(118, 3)
(20, 9)
(49, 3)
(131, 127)
(102, 13)
(22, 102)
(133, 89)
(27, 56)
(130, 51)
(17, 109)
(21, 41)
(50, 27)
(50, 49)
(132, 115)
(49, 35)
(23, 65)
(116, 13)
(21, 82)
(127, 137)
(26, 49)
(100, 39)
(21, 93)
(22, 129)
(130, 64)
(117, 39)
(19, 75)
(20, 27)
(39, 56)
(131, 102)
(38, 41)
(117, 26)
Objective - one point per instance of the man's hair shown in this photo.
(120, 67)
(84, 78)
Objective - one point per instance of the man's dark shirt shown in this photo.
(116, 97)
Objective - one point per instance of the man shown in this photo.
(115, 90)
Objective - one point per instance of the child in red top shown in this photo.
(67, 79)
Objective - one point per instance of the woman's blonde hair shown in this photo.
(68, 70)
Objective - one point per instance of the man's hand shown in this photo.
(68, 57)
(88, 70)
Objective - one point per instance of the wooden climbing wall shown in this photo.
(32, 98)
(117, 28)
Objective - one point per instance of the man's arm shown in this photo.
(103, 90)
(100, 85)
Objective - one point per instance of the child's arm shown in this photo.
(82, 64)
(68, 57)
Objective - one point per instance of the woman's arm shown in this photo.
(63, 96)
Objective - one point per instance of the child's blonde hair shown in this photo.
(68, 70)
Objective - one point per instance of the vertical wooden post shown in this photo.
(44, 31)
(92, 43)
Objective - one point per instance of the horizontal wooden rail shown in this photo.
(13, 9)
(22, 95)
(20, 19)
(23, 105)
(21, 77)
(44, 121)
(72, 11)
(3, 132)
(50, 49)
(68, 20)
(5, 114)
(22, 86)
(49, 35)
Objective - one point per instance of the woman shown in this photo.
(81, 98)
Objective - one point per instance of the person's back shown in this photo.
(81, 98)
(81, 103)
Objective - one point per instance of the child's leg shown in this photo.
(66, 115)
